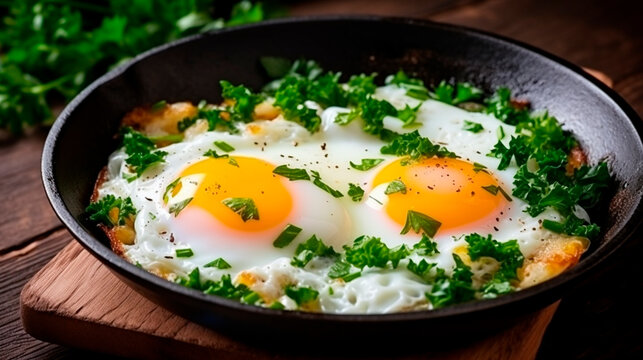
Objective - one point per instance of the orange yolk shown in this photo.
(253, 179)
(448, 190)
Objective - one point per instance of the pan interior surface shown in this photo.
(189, 70)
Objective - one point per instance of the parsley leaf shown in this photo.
(371, 251)
(111, 210)
(452, 290)
(462, 92)
(366, 164)
(501, 106)
(141, 152)
(493, 190)
(415, 146)
(373, 112)
(355, 192)
(311, 248)
(507, 253)
(218, 263)
(421, 269)
(414, 87)
(179, 206)
(286, 236)
(214, 154)
(572, 226)
(394, 187)
(408, 115)
(342, 270)
(244, 101)
(420, 222)
(474, 127)
(245, 207)
(224, 146)
(301, 295)
(317, 181)
(426, 247)
(291, 174)
(183, 253)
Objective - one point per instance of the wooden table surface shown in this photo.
(593, 322)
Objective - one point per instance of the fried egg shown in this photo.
(181, 203)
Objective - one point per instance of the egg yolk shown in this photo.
(252, 178)
(448, 190)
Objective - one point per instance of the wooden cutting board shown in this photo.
(76, 301)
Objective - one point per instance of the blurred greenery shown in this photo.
(51, 49)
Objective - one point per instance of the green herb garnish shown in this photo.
(394, 187)
(99, 211)
(182, 253)
(245, 207)
(287, 236)
(420, 223)
(291, 174)
(218, 263)
(355, 192)
(366, 164)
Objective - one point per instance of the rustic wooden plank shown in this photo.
(16, 268)
(589, 33)
(414, 8)
(77, 301)
(24, 207)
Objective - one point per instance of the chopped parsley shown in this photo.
(218, 263)
(414, 87)
(426, 246)
(141, 152)
(408, 115)
(420, 223)
(366, 164)
(214, 154)
(291, 174)
(474, 127)
(301, 295)
(507, 253)
(342, 270)
(244, 101)
(170, 188)
(477, 167)
(287, 236)
(179, 206)
(245, 207)
(183, 253)
(320, 184)
(494, 190)
(223, 287)
(111, 210)
(421, 269)
(355, 192)
(415, 146)
(371, 251)
(457, 288)
(462, 92)
(395, 186)
(224, 146)
(311, 248)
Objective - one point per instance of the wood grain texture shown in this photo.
(24, 207)
(414, 8)
(596, 34)
(77, 301)
(16, 268)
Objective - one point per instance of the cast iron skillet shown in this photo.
(83, 136)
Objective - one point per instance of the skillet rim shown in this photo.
(150, 281)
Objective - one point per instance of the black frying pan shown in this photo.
(82, 138)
